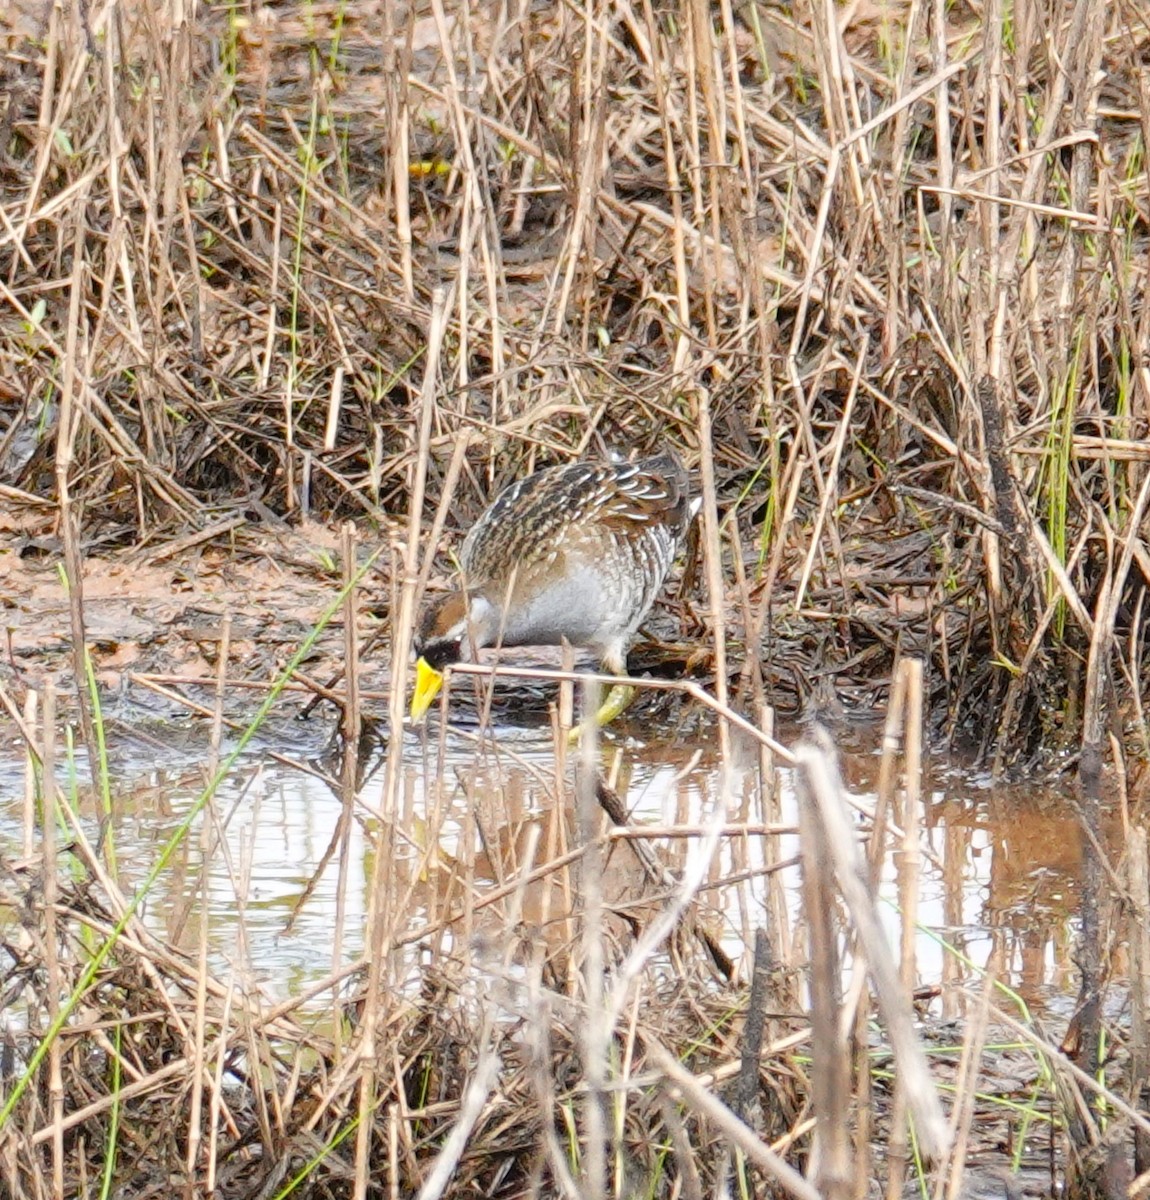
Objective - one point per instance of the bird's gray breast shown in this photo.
(574, 607)
(606, 591)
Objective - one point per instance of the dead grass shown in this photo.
(877, 272)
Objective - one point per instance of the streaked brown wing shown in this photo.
(580, 507)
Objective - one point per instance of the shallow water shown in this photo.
(1000, 863)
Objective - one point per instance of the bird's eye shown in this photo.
(442, 654)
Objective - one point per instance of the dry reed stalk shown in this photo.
(713, 563)
(907, 695)
(1138, 889)
(538, 1028)
(687, 687)
(671, 167)
(70, 417)
(705, 167)
(1089, 786)
(396, 67)
(866, 1111)
(776, 908)
(831, 1057)
(50, 890)
(910, 818)
(585, 149)
(381, 922)
(249, 1034)
(949, 1180)
(597, 1028)
(351, 730)
(829, 486)
(199, 1021)
(894, 727)
(28, 814)
(749, 689)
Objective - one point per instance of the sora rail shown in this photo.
(576, 552)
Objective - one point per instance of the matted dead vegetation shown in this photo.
(877, 272)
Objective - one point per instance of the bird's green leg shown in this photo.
(617, 700)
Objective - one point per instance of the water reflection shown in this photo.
(287, 882)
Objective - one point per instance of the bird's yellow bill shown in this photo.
(428, 681)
